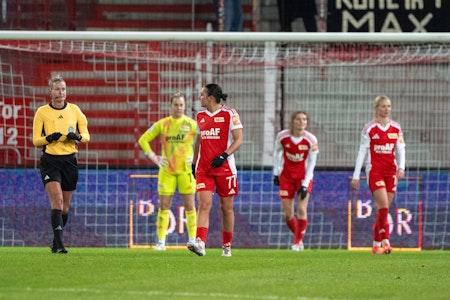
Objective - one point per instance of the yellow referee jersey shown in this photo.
(48, 120)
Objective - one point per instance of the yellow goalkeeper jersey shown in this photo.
(177, 139)
(48, 120)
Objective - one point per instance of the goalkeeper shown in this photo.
(295, 155)
(177, 133)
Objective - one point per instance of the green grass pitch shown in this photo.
(250, 274)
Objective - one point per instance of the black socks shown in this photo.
(57, 225)
(64, 219)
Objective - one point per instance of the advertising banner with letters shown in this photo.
(388, 16)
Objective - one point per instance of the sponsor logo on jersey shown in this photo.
(376, 137)
(384, 149)
(202, 120)
(392, 135)
(315, 147)
(297, 157)
(219, 119)
(236, 120)
(302, 147)
(400, 139)
(212, 133)
(175, 138)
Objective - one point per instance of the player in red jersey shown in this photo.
(295, 156)
(219, 135)
(382, 141)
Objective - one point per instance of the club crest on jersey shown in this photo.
(284, 193)
(185, 128)
(392, 135)
(379, 183)
(200, 185)
(219, 119)
(302, 147)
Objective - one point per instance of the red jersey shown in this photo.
(214, 130)
(381, 144)
(296, 155)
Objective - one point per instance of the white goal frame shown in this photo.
(225, 36)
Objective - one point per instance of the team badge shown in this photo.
(392, 135)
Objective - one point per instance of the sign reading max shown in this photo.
(388, 16)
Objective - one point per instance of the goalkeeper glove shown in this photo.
(160, 161)
(302, 192)
(276, 180)
(73, 136)
(53, 137)
(219, 160)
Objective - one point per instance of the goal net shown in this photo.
(123, 83)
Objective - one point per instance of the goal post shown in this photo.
(171, 36)
(123, 81)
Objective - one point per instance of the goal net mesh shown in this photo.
(123, 87)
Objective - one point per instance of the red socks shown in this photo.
(301, 229)
(298, 227)
(292, 224)
(202, 233)
(381, 228)
(227, 237)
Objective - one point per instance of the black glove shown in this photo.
(219, 160)
(302, 192)
(73, 136)
(193, 170)
(53, 137)
(276, 180)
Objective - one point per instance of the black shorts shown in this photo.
(61, 168)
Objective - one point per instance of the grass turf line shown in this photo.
(122, 273)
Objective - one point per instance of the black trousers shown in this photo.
(289, 10)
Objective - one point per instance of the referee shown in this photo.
(58, 127)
